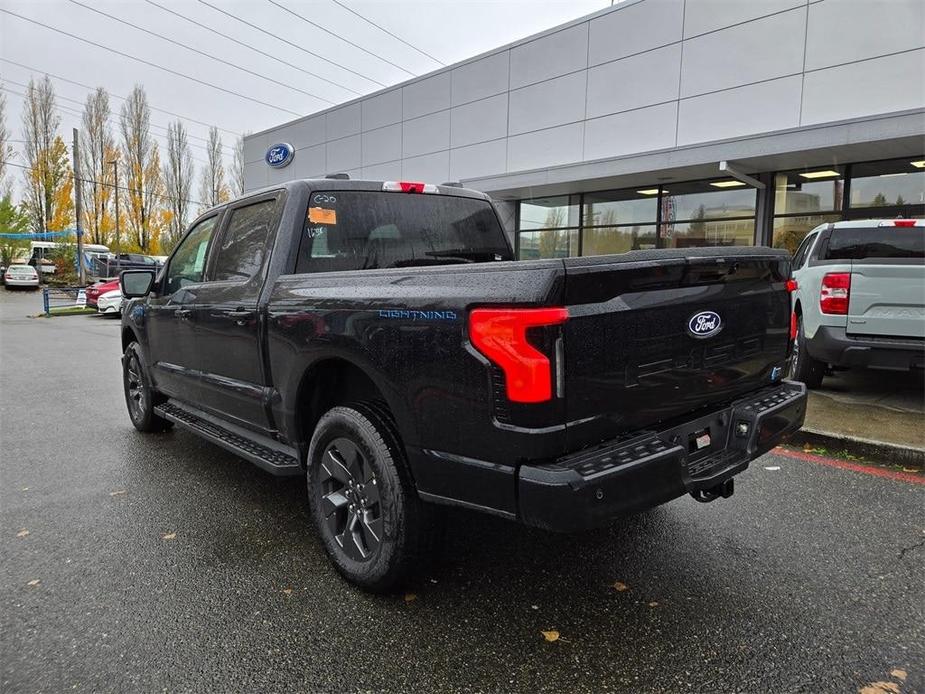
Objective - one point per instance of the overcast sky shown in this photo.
(449, 30)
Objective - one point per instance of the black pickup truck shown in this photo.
(379, 339)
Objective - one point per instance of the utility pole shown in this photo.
(78, 208)
(115, 169)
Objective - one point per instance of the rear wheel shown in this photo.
(374, 527)
(140, 398)
(802, 366)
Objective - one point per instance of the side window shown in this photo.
(800, 256)
(189, 262)
(245, 242)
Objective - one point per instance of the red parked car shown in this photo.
(95, 290)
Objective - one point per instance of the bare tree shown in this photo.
(212, 187)
(178, 182)
(143, 178)
(6, 149)
(48, 176)
(237, 168)
(97, 152)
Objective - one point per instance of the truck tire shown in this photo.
(802, 366)
(140, 397)
(374, 527)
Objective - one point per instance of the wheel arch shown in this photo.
(129, 336)
(335, 380)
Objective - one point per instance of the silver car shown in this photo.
(20, 276)
(860, 298)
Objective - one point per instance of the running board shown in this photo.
(265, 453)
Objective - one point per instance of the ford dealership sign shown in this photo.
(279, 155)
(705, 324)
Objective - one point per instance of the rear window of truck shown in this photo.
(364, 230)
(876, 242)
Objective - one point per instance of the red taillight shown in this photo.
(792, 286)
(833, 297)
(501, 335)
(793, 326)
(903, 222)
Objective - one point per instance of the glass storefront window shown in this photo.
(796, 194)
(547, 243)
(551, 212)
(887, 183)
(619, 207)
(701, 200)
(788, 232)
(708, 232)
(607, 240)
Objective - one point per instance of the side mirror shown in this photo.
(136, 283)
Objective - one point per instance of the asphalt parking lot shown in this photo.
(143, 563)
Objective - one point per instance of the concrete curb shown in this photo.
(879, 451)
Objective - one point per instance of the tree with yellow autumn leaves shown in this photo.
(49, 184)
(145, 217)
(155, 195)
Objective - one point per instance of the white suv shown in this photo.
(860, 298)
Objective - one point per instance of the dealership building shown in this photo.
(653, 123)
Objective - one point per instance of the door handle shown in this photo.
(183, 313)
(241, 315)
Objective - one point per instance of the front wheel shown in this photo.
(802, 366)
(140, 398)
(374, 527)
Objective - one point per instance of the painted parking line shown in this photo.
(899, 475)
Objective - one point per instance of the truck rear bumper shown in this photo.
(833, 345)
(590, 488)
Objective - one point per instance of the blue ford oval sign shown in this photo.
(705, 324)
(279, 155)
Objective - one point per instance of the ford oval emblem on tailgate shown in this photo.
(705, 324)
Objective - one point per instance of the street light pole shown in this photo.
(78, 212)
(115, 168)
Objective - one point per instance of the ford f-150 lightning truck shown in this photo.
(379, 340)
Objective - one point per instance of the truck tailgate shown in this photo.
(887, 300)
(652, 336)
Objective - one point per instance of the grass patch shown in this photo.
(72, 311)
(852, 457)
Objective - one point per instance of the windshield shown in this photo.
(362, 230)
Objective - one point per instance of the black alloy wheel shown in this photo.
(134, 387)
(802, 366)
(364, 505)
(350, 499)
(140, 397)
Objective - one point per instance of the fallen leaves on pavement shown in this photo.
(118, 492)
(551, 635)
(287, 591)
(653, 604)
(170, 536)
(410, 597)
(880, 688)
(619, 586)
(33, 582)
(899, 674)
(22, 533)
